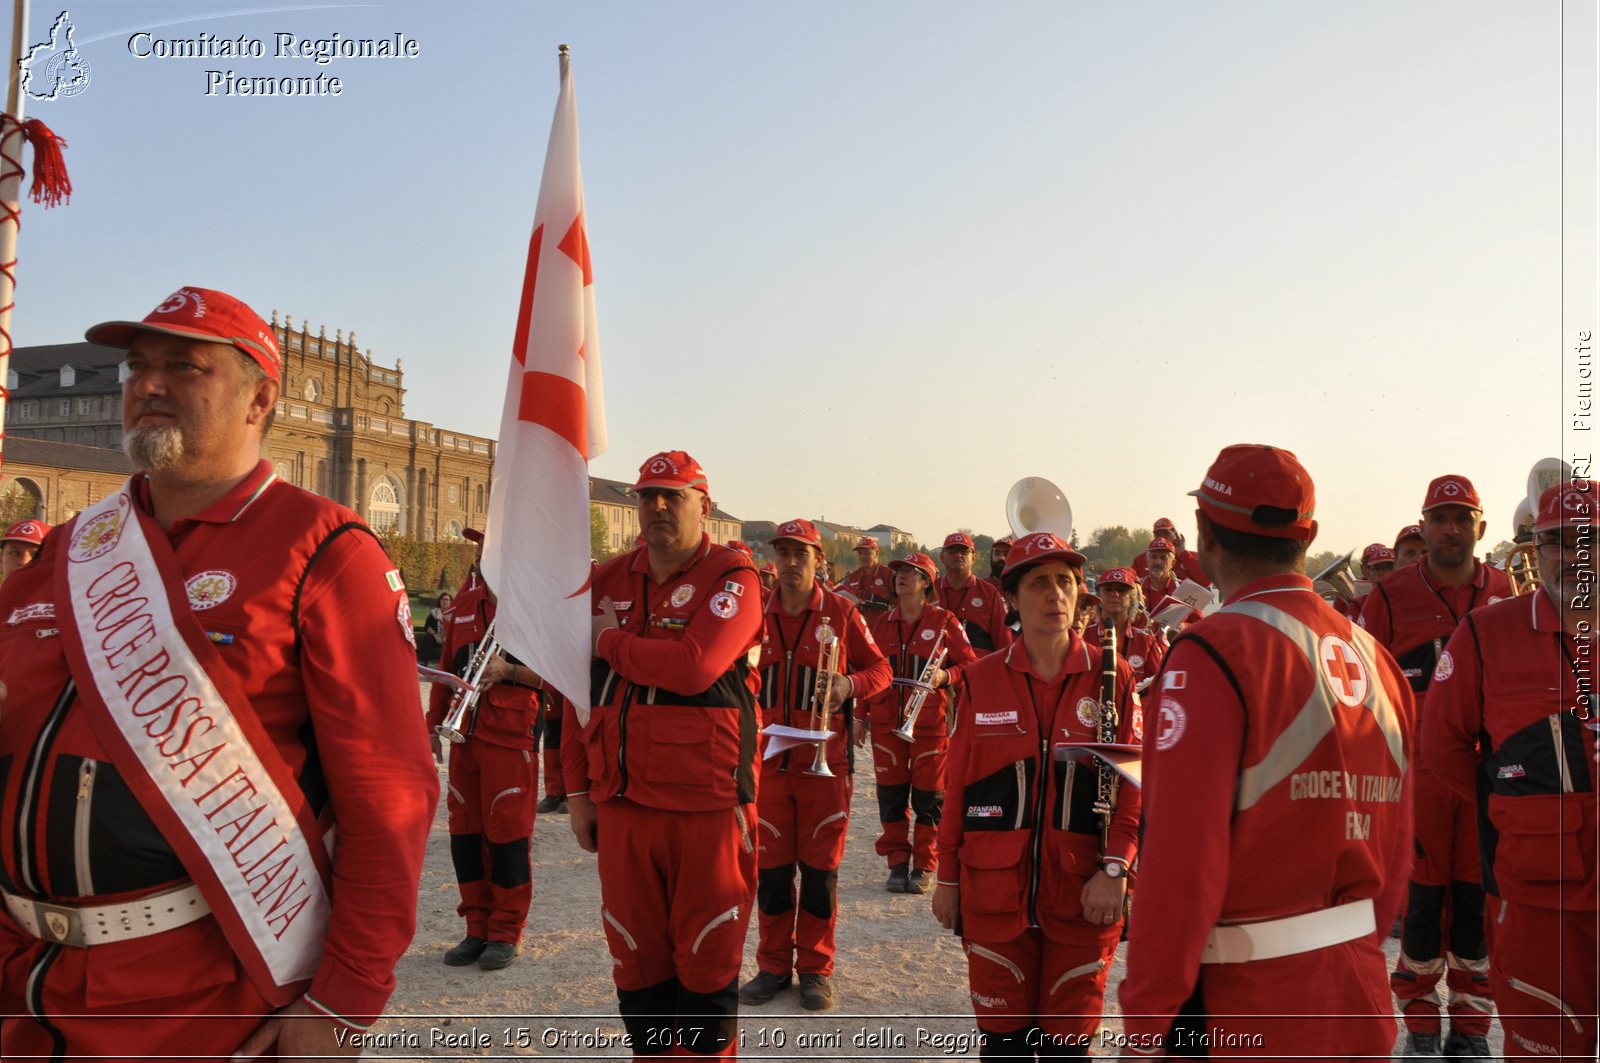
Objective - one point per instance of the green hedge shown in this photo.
(429, 568)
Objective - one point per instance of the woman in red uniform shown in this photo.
(1028, 874)
(912, 773)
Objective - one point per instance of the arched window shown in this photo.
(452, 531)
(383, 506)
(21, 499)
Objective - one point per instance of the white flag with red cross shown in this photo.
(536, 552)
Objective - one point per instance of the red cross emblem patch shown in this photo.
(1342, 670)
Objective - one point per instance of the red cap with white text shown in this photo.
(1259, 490)
(205, 315)
(671, 470)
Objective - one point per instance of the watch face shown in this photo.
(1113, 870)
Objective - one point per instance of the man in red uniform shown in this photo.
(1275, 815)
(910, 775)
(1377, 561)
(805, 814)
(206, 671)
(1185, 563)
(1159, 579)
(491, 787)
(998, 551)
(20, 542)
(871, 585)
(554, 801)
(1498, 732)
(1140, 647)
(972, 601)
(1412, 613)
(661, 779)
(1032, 873)
(1409, 547)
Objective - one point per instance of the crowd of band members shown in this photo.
(1305, 774)
(1030, 912)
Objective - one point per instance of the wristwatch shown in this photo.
(1113, 869)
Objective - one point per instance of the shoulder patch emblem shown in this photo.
(1445, 668)
(36, 611)
(681, 595)
(927, 636)
(1135, 660)
(823, 633)
(402, 613)
(1088, 712)
(724, 605)
(207, 589)
(1170, 723)
(392, 577)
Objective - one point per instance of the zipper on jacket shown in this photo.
(622, 740)
(1561, 753)
(80, 828)
(1039, 820)
(33, 789)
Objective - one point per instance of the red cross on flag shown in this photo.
(536, 554)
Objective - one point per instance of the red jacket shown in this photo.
(789, 654)
(1254, 808)
(1533, 777)
(1412, 617)
(674, 718)
(907, 646)
(316, 627)
(981, 609)
(873, 584)
(1020, 835)
(506, 712)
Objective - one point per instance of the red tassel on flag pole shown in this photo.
(51, 185)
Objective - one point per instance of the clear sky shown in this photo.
(875, 262)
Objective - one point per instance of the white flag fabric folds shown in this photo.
(536, 554)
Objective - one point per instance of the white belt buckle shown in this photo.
(58, 924)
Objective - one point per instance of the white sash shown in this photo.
(239, 817)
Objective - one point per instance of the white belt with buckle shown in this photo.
(83, 925)
(1291, 936)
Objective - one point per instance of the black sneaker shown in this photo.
(467, 952)
(1469, 1046)
(920, 881)
(551, 805)
(816, 992)
(497, 954)
(1422, 1045)
(899, 879)
(763, 987)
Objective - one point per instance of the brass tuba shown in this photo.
(1034, 504)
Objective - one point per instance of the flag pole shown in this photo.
(11, 140)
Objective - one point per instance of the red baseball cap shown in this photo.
(742, 547)
(1565, 505)
(1004, 540)
(1248, 476)
(1410, 531)
(1124, 576)
(26, 531)
(1376, 554)
(921, 562)
(768, 568)
(1040, 547)
(200, 314)
(1160, 544)
(959, 539)
(672, 470)
(800, 531)
(1451, 490)
(1165, 522)
(867, 543)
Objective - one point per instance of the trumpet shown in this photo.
(821, 691)
(924, 687)
(462, 718)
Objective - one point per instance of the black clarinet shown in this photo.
(1105, 802)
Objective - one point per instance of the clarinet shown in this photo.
(1105, 802)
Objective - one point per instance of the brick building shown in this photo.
(341, 431)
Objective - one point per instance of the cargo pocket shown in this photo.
(674, 744)
(992, 873)
(1538, 838)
